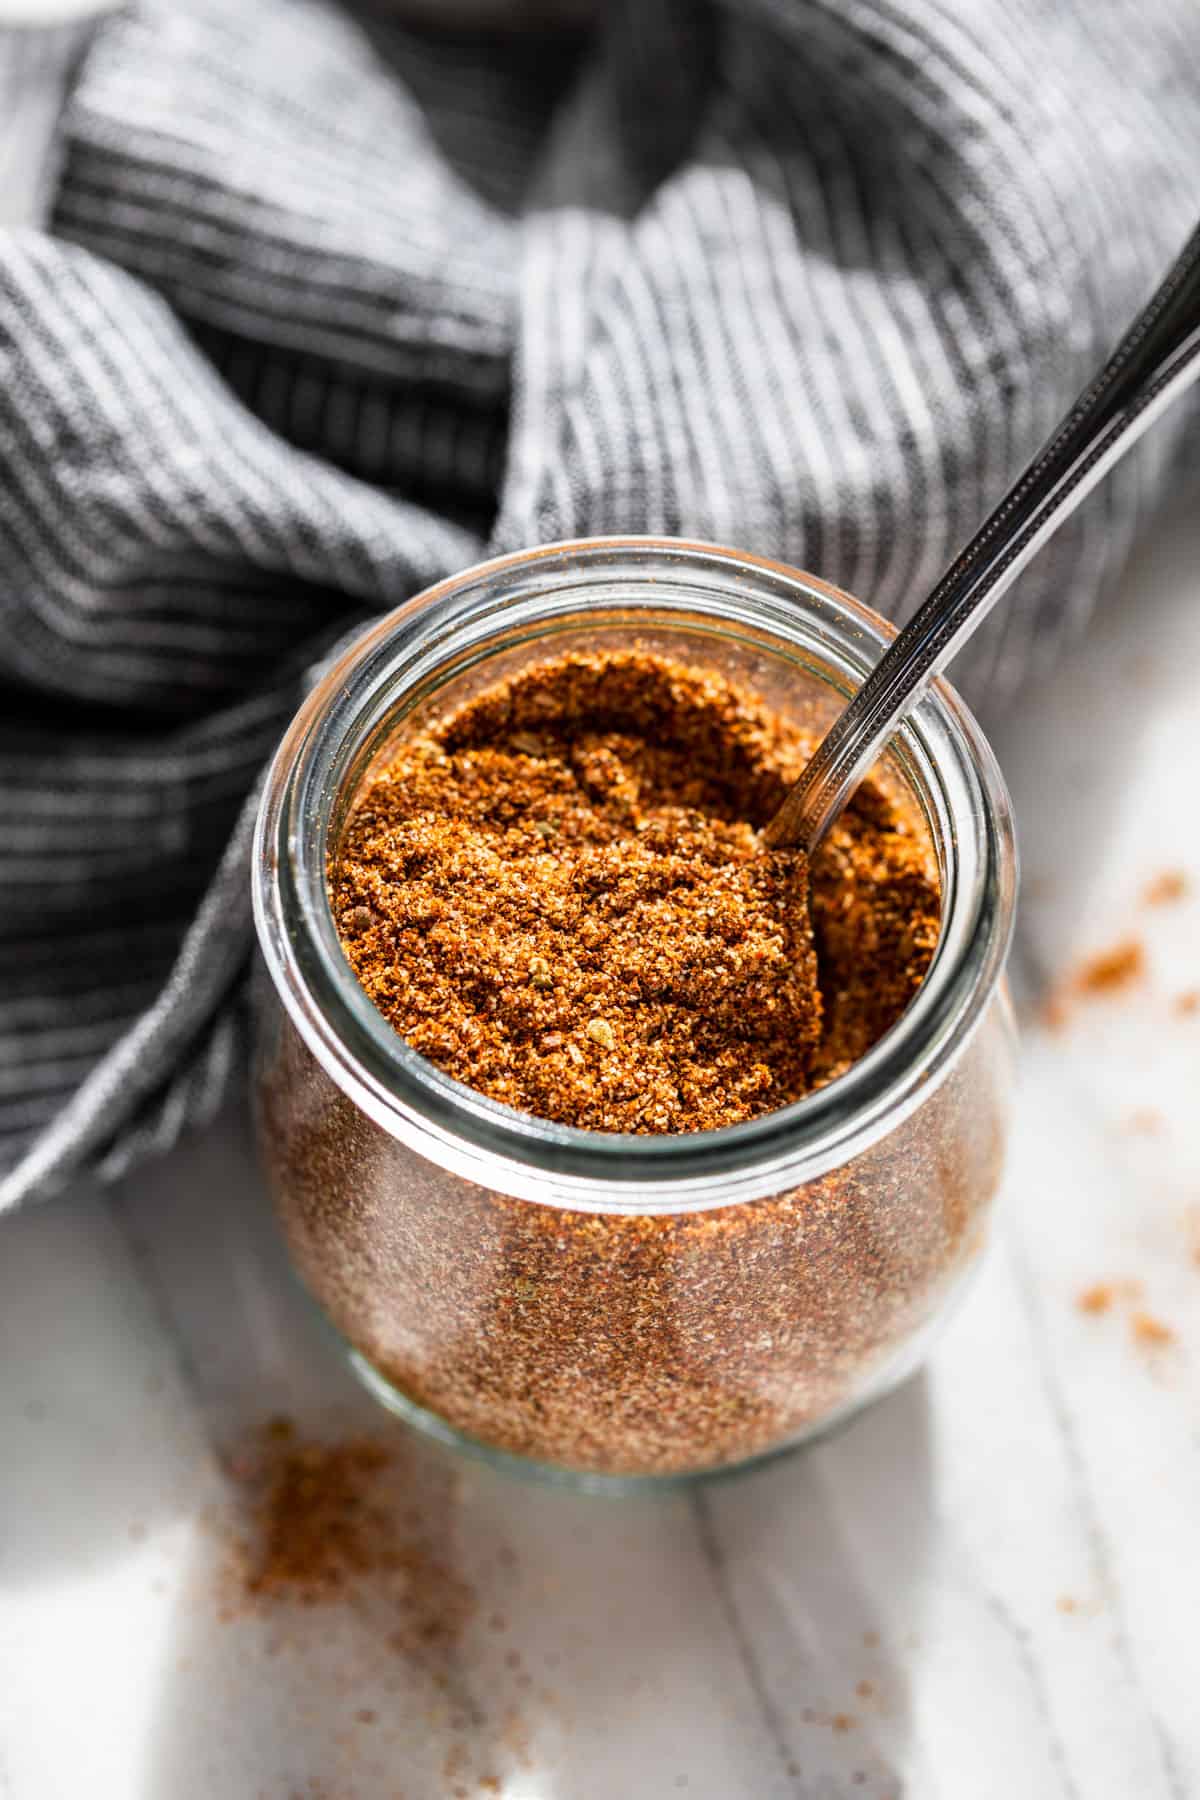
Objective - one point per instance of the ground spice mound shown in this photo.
(558, 895)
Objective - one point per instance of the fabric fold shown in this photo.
(328, 306)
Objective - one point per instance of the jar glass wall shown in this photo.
(610, 1306)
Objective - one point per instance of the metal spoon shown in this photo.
(1158, 357)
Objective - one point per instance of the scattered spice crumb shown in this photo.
(1150, 1333)
(1103, 1295)
(1110, 970)
(1067, 1603)
(1165, 889)
(1106, 973)
(843, 1722)
(1188, 1003)
(1144, 1121)
(366, 1716)
(865, 1689)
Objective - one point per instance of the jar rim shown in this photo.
(944, 752)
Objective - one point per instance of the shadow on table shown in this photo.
(823, 1558)
(746, 1637)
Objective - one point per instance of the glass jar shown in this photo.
(621, 1308)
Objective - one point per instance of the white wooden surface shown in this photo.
(986, 1587)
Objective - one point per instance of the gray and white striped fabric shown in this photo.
(322, 309)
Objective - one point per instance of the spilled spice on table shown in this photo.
(1110, 970)
(315, 1521)
(1147, 1331)
(1101, 976)
(359, 1528)
(318, 1528)
(1102, 1296)
(1165, 889)
(1150, 1333)
(1096, 1299)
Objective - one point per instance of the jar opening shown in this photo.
(800, 644)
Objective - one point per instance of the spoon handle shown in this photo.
(1158, 357)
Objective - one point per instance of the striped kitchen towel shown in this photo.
(321, 308)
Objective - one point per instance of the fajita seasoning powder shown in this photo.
(559, 896)
(592, 1231)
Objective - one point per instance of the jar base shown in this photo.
(583, 1481)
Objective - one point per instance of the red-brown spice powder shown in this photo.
(315, 1522)
(318, 1525)
(1099, 977)
(559, 896)
(1110, 970)
(1166, 889)
(1150, 1333)
(573, 850)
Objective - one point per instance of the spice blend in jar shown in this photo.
(555, 893)
(559, 896)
